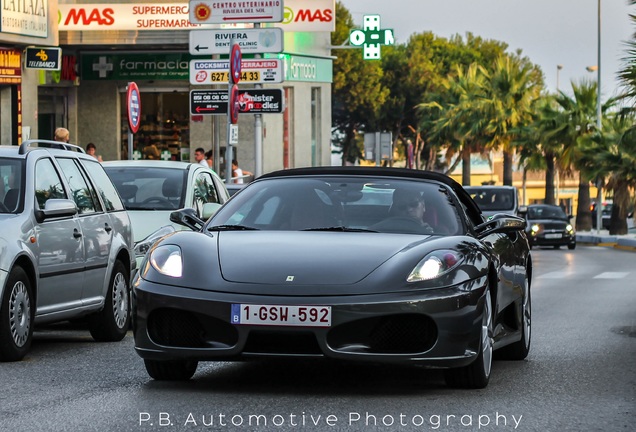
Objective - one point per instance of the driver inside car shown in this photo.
(406, 214)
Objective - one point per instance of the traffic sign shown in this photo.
(234, 104)
(235, 64)
(253, 71)
(251, 41)
(133, 102)
(224, 12)
(252, 101)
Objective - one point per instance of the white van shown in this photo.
(495, 199)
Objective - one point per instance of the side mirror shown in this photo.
(500, 223)
(522, 209)
(56, 207)
(188, 218)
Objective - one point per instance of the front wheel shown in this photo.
(519, 350)
(112, 322)
(17, 313)
(477, 374)
(572, 246)
(176, 370)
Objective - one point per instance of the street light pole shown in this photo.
(559, 67)
(599, 124)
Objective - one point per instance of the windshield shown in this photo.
(341, 204)
(546, 212)
(11, 185)
(493, 199)
(143, 188)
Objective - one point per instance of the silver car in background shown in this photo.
(152, 189)
(65, 245)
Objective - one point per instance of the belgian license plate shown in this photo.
(553, 236)
(281, 315)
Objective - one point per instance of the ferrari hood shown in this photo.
(325, 258)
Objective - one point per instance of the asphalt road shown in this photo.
(579, 376)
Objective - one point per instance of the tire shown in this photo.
(17, 313)
(572, 246)
(519, 350)
(176, 370)
(477, 374)
(113, 321)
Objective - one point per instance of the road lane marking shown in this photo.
(611, 275)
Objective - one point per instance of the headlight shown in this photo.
(166, 259)
(569, 228)
(435, 264)
(143, 246)
(535, 228)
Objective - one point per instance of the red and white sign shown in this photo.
(128, 16)
(253, 71)
(133, 101)
(224, 11)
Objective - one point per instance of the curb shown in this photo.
(617, 242)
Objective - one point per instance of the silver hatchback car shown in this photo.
(65, 245)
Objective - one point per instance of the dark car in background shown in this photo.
(548, 225)
(358, 264)
(606, 214)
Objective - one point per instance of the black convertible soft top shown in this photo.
(471, 207)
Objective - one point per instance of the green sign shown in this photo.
(308, 69)
(135, 66)
(371, 37)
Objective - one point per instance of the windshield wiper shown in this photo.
(340, 228)
(231, 228)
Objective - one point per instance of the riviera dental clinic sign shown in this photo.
(298, 16)
(25, 17)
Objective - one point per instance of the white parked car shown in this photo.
(152, 189)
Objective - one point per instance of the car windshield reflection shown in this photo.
(342, 204)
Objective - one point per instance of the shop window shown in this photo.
(164, 130)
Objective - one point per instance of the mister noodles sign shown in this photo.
(299, 15)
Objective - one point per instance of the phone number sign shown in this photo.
(254, 71)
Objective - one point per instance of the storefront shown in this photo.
(149, 45)
(20, 27)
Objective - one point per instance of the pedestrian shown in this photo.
(61, 135)
(210, 159)
(91, 150)
(199, 156)
(239, 174)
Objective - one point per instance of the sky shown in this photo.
(549, 32)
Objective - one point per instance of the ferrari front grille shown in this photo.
(393, 334)
(178, 328)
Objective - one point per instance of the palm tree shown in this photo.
(572, 119)
(509, 93)
(460, 123)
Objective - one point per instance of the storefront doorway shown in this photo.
(164, 131)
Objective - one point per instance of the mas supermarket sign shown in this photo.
(157, 16)
(309, 16)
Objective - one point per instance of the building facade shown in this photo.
(107, 45)
(30, 24)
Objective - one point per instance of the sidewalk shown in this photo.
(603, 238)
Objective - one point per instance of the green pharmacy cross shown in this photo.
(371, 37)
